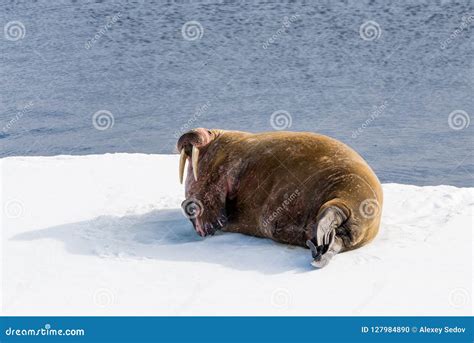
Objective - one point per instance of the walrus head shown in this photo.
(206, 186)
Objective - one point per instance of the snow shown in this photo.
(104, 235)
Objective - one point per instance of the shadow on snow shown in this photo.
(166, 235)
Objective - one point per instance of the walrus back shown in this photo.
(319, 169)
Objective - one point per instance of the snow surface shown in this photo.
(104, 235)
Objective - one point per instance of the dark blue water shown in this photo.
(387, 91)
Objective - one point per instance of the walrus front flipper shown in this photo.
(324, 244)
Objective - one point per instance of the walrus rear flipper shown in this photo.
(324, 244)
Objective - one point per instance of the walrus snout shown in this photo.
(199, 227)
(203, 229)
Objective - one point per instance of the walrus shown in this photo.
(297, 188)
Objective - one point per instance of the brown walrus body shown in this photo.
(295, 188)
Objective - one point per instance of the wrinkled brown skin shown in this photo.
(244, 179)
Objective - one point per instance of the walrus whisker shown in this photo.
(195, 158)
(182, 164)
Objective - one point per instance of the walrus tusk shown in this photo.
(194, 159)
(182, 164)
